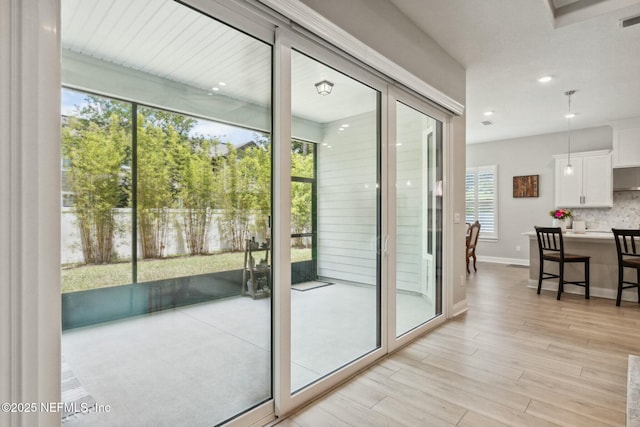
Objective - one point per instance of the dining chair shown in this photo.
(472, 242)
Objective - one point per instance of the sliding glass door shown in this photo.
(166, 215)
(418, 217)
(175, 268)
(335, 310)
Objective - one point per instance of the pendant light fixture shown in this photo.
(568, 170)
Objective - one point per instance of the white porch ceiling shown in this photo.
(165, 39)
(505, 45)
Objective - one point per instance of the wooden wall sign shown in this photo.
(525, 186)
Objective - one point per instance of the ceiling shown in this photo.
(506, 45)
(166, 41)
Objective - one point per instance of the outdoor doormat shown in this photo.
(76, 399)
(307, 286)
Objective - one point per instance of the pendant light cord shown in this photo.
(569, 132)
(569, 115)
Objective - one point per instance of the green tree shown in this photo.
(244, 188)
(301, 192)
(174, 170)
(228, 189)
(256, 166)
(169, 170)
(101, 111)
(154, 187)
(96, 155)
(196, 191)
(169, 122)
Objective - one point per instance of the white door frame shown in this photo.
(287, 40)
(398, 95)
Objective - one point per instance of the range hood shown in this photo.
(626, 179)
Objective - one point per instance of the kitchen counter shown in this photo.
(601, 247)
(589, 235)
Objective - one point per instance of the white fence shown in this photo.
(176, 243)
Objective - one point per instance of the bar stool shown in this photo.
(628, 247)
(551, 248)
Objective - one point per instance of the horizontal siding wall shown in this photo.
(347, 178)
(347, 236)
(411, 200)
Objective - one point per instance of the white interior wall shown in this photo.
(527, 156)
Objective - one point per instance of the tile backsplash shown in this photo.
(625, 213)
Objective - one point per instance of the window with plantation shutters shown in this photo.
(481, 199)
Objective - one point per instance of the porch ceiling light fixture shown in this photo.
(568, 169)
(324, 87)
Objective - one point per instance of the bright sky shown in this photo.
(226, 133)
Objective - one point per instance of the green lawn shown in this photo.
(99, 276)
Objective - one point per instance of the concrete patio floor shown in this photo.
(201, 364)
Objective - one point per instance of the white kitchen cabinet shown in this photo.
(590, 186)
(626, 147)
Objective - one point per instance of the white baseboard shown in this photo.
(594, 291)
(500, 260)
(459, 308)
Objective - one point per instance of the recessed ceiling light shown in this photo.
(569, 116)
(345, 125)
(545, 79)
(488, 113)
(222, 83)
(215, 89)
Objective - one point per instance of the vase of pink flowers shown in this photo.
(561, 218)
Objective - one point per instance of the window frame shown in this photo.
(475, 170)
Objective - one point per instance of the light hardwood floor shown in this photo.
(515, 358)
